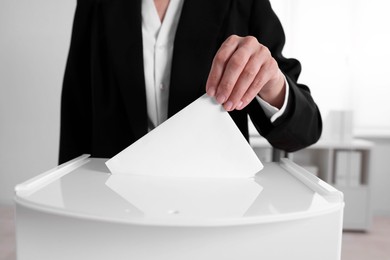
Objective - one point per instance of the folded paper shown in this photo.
(201, 140)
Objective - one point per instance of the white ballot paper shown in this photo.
(201, 140)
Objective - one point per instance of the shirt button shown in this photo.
(162, 87)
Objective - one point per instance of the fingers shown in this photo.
(263, 77)
(231, 76)
(239, 97)
(218, 66)
(241, 67)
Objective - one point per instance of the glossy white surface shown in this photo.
(90, 191)
(79, 211)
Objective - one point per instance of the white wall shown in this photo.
(343, 48)
(34, 40)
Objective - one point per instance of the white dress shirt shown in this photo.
(158, 39)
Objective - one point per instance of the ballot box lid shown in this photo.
(84, 188)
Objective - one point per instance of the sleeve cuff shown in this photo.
(272, 112)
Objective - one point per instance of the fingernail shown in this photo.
(229, 105)
(220, 99)
(239, 106)
(211, 92)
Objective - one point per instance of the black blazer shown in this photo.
(103, 106)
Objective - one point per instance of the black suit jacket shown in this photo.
(103, 99)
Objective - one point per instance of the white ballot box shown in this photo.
(80, 210)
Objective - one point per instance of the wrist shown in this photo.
(274, 91)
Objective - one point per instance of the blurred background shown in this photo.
(343, 48)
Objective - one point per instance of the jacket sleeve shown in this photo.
(301, 124)
(75, 125)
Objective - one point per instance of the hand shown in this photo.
(242, 69)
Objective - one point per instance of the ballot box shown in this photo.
(79, 210)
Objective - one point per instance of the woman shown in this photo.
(132, 64)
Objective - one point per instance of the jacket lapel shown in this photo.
(196, 41)
(124, 34)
